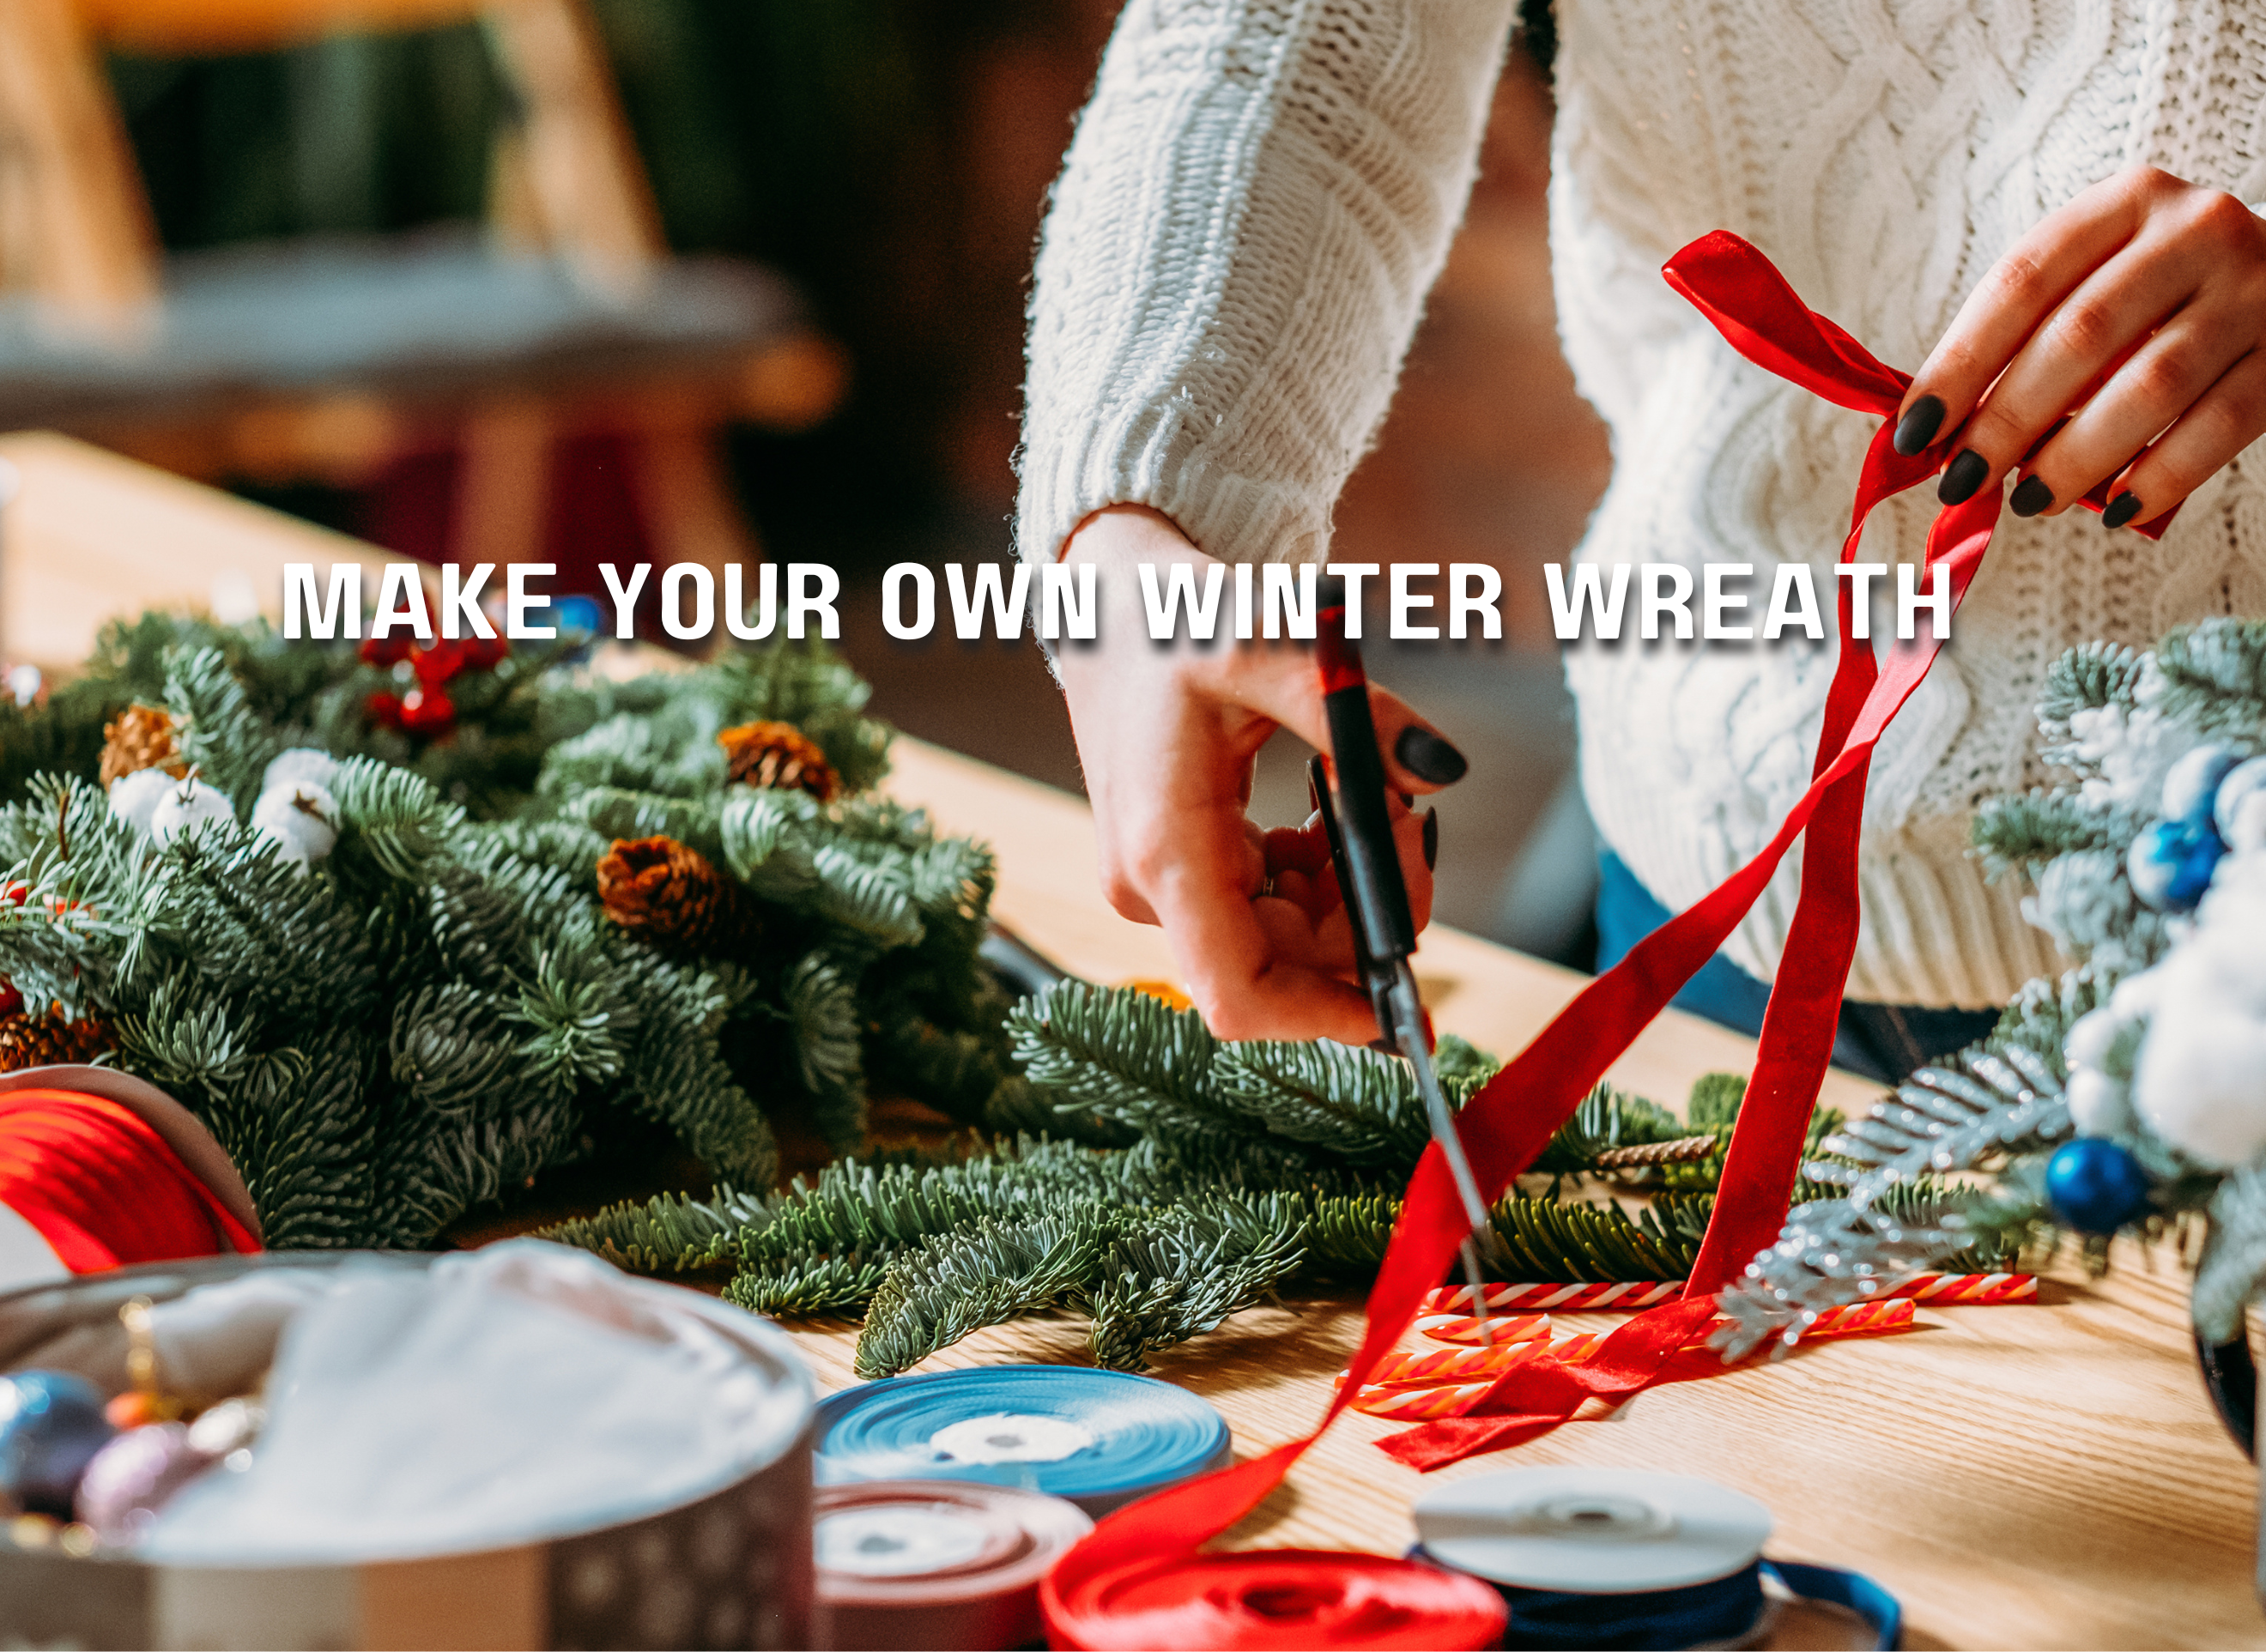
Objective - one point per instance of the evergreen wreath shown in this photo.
(2129, 1094)
(388, 967)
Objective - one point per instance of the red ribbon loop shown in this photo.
(1507, 1124)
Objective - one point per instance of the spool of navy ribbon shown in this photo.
(1723, 1610)
(1097, 1438)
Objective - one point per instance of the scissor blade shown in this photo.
(1409, 1032)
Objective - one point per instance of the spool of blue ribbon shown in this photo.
(1592, 1559)
(1097, 1438)
(1724, 1611)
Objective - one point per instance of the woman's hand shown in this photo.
(1167, 734)
(2136, 312)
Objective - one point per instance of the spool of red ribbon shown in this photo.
(103, 1188)
(952, 1565)
(1510, 1120)
(1275, 1597)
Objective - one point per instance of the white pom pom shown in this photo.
(302, 765)
(2090, 1038)
(2201, 1081)
(301, 819)
(2191, 784)
(186, 805)
(133, 797)
(2098, 1104)
(2245, 827)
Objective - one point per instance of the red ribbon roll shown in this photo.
(102, 1188)
(1271, 1597)
(1507, 1124)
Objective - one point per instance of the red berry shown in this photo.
(436, 662)
(17, 893)
(485, 653)
(385, 651)
(12, 1002)
(384, 709)
(428, 710)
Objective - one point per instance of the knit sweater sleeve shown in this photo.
(1257, 199)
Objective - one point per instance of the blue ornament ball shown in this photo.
(51, 1426)
(2170, 864)
(2096, 1186)
(2191, 784)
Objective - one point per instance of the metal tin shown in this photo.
(730, 1568)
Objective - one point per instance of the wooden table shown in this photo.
(2024, 1476)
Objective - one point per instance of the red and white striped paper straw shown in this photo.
(1446, 1317)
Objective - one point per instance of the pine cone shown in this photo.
(778, 755)
(141, 737)
(663, 892)
(1685, 1149)
(50, 1040)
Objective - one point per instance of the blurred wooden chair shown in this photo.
(327, 357)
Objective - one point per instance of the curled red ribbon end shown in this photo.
(1507, 1124)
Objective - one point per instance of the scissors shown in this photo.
(1359, 827)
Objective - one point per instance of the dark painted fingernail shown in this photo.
(1962, 476)
(1917, 428)
(1428, 756)
(2121, 510)
(1431, 838)
(2031, 496)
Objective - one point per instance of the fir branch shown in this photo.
(2085, 678)
(222, 738)
(1355, 1103)
(1125, 1056)
(671, 1233)
(2214, 677)
(1177, 1277)
(1552, 1240)
(987, 1273)
(392, 823)
(830, 1285)
(821, 1013)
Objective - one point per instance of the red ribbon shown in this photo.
(102, 1188)
(1507, 1124)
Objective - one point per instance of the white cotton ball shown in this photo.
(2242, 822)
(2098, 1104)
(133, 797)
(185, 806)
(301, 819)
(2224, 957)
(302, 765)
(2137, 996)
(2091, 1037)
(2200, 1082)
(2191, 784)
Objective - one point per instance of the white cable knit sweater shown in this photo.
(1262, 192)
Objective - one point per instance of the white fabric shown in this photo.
(1261, 191)
(521, 1392)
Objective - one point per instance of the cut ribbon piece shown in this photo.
(1507, 1124)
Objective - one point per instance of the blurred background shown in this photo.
(589, 281)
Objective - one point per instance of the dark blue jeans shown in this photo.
(1880, 1040)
